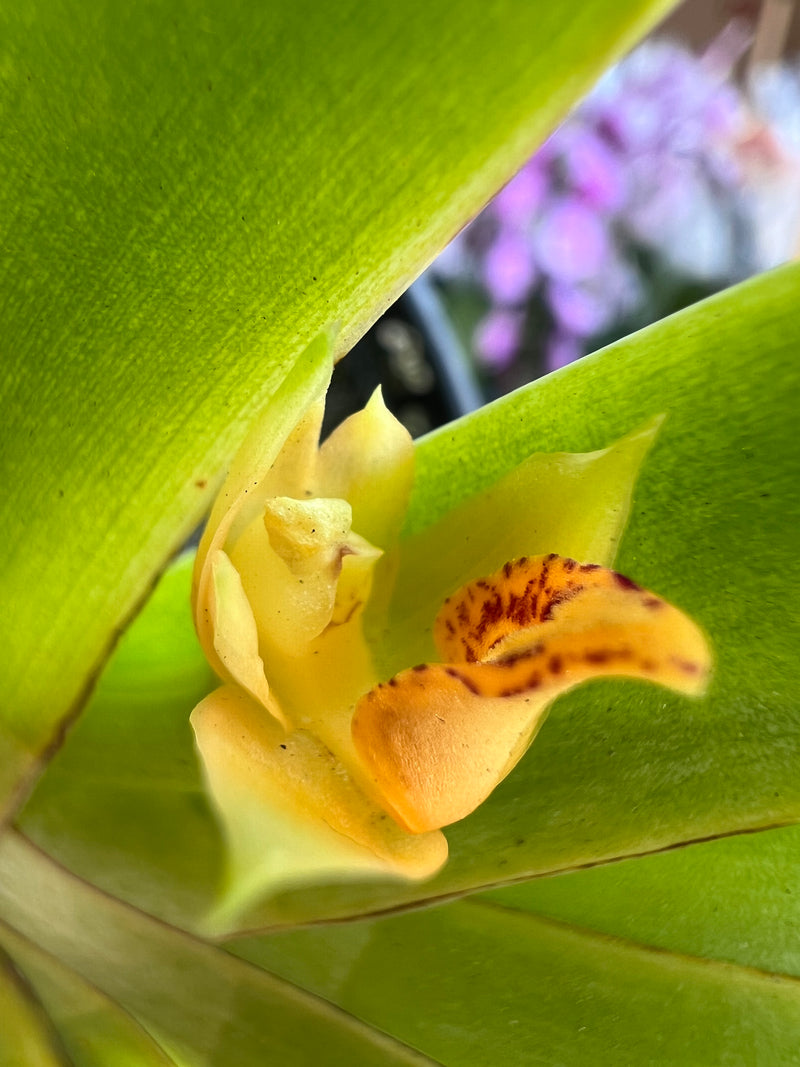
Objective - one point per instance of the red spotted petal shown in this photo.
(437, 739)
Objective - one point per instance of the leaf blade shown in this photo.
(473, 983)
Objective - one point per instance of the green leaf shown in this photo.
(474, 983)
(92, 1031)
(123, 799)
(199, 1003)
(193, 190)
(733, 899)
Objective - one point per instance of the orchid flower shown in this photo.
(320, 763)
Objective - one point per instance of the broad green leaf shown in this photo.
(191, 192)
(92, 1031)
(733, 899)
(619, 768)
(472, 983)
(123, 802)
(199, 1003)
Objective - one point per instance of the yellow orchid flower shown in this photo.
(319, 763)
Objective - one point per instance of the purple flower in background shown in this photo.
(592, 168)
(498, 337)
(650, 164)
(508, 270)
(570, 241)
(561, 349)
(770, 158)
(579, 310)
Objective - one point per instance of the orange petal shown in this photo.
(435, 743)
(437, 739)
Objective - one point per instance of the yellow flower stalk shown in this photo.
(319, 763)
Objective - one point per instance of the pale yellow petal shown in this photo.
(294, 471)
(235, 633)
(369, 461)
(248, 484)
(290, 811)
(318, 689)
(281, 418)
(437, 739)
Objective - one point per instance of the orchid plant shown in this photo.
(235, 781)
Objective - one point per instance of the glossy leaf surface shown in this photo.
(473, 983)
(91, 1031)
(733, 899)
(28, 1035)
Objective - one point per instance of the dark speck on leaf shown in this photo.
(283, 746)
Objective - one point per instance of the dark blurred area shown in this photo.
(415, 356)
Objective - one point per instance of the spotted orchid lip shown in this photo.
(438, 738)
